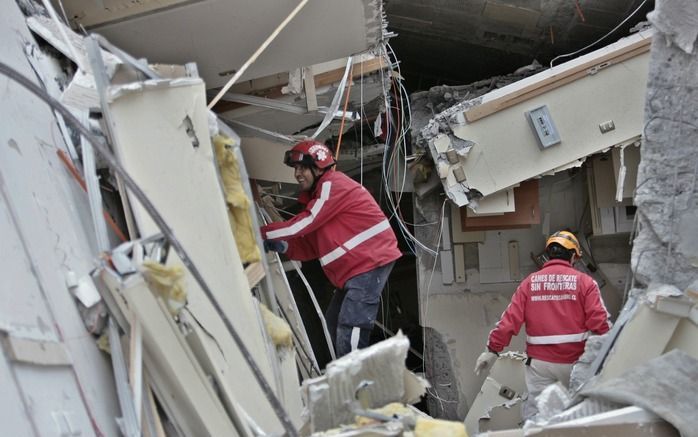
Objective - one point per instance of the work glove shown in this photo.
(275, 246)
(485, 361)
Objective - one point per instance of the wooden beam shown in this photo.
(309, 83)
(557, 80)
(254, 273)
(332, 76)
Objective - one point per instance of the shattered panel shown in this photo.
(365, 378)
(498, 404)
(665, 385)
(161, 136)
(46, 235)
(502, 150)
(183, 388)
(222, 35)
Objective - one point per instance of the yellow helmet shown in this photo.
(566, 240)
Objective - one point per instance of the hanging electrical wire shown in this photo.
(396, 145)
(567, 55)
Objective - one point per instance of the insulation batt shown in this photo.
(167, 283)
(277, 328)
(236, 200)
(439, 428)
(392, 409)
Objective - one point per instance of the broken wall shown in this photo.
(221, 37)
(484, 147)
(666, 247)
(65, 386)
(458, 304)
(499, 144)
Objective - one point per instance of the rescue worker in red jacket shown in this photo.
(343, 227)
(560, 307)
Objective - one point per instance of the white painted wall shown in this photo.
(220, 35)
(46, 231)
(183, 183)
(506, 150)
(464, 312)
(464, 320)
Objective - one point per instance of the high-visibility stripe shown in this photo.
(354, 341)
(336, 253)
(557, 339)
(304, 223)
(354, 241)
(367, 234)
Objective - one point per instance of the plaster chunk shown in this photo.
(678, 21)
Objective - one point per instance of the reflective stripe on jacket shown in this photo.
(560, 307)
(342, 226)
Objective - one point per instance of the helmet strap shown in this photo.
(317, 173)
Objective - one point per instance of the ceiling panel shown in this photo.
(220, 35)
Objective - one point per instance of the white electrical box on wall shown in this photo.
(542, 124)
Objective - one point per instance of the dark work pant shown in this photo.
(353, 310)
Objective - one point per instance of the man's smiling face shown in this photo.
(305, 176)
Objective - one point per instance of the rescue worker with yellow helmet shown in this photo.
(560, 307)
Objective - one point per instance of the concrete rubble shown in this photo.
(655, 282)
(664, 385)
(202, 359)
(147, 307)
(204, 338)
(364, 379)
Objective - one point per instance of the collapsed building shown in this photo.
(138, 301)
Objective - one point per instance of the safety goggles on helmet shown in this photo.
(309, 153)
(292, 157)
(566, 240)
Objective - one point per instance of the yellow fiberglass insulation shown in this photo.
(167, 282)
(439, 428)
(236, 200)
(390, 410)
(277, 328)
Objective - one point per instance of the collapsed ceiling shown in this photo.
(438, 42)
(456, 41)
(294, 103)
(441, 42)
(220, 35)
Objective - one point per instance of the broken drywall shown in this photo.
(182, 386)
(666, 247)
(363, 379)
(456, 329)
(248, 23)
(601, 90)
(498, 404)
(665, 385)
(434, 112)
(178, 172)
(462, 312)
(46, 233)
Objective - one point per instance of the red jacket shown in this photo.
(560, 307)
(342, 226)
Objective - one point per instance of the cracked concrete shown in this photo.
(666, 247)
(443, 397)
